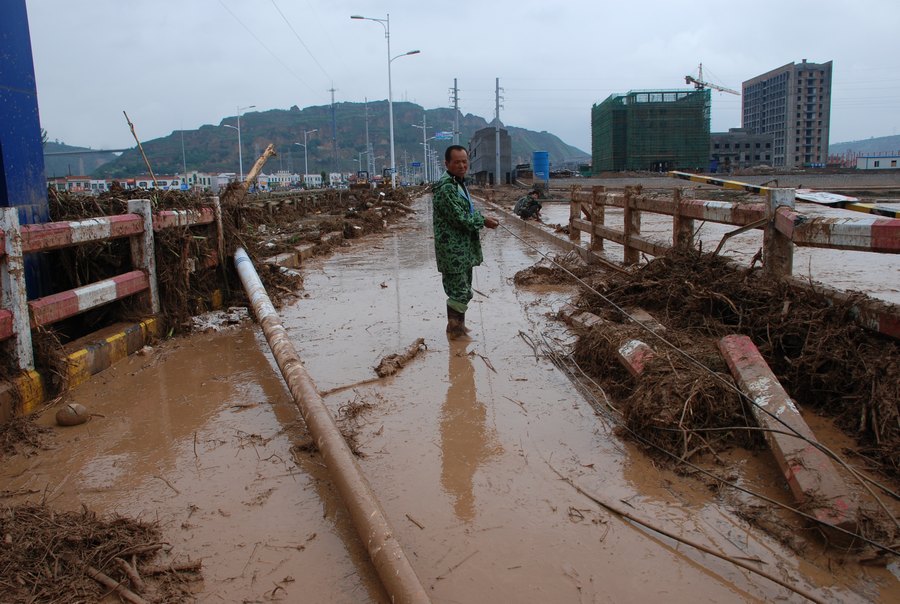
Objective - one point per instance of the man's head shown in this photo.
(534, 194)
(456, 158)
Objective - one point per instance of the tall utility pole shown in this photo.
(370, 162)
(455, 98)
(424, 128)
(498, 177)
(334, 166)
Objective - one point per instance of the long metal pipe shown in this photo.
(393, 567)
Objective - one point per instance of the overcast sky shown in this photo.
(181, 64)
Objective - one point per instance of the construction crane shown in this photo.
(699, 84)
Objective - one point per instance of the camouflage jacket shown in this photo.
(457, 246)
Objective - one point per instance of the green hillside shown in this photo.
(214, 148)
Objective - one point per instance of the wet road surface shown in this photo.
(462, 448)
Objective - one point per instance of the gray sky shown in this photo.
(181, 64)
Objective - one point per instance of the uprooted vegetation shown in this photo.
(684, 408)
(52, 556)
(823, 358)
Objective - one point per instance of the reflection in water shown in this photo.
(466, 440)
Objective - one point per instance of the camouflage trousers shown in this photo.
(458, 287)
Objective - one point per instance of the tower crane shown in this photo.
(699, 84)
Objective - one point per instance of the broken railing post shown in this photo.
(778, 250)
(598, 216)
(574, 214)
(632, 226)
(813, 479)
(682, 227)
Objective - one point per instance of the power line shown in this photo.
(302, 43)
(269, 50)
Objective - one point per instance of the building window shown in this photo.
(877, 163)
(716, 146)
(893, 163)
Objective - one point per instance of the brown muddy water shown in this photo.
(462, 448)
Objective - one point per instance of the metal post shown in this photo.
(14, 298)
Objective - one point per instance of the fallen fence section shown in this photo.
(813, 479)
(377, 535)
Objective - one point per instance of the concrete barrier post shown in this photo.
(632, 227)
(778, 250)
(574, 214)
(143, 255)
(598, 216)
(15, 296)
(682, 227)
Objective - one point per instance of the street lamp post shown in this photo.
(238, 128)
(386, 24)
(305, 154)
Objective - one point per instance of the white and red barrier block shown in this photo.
(868, 234)
(812, 478)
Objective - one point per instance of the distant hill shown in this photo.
(880, 144)
(213, 148)
(72, 164)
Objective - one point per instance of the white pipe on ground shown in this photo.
(393, 567)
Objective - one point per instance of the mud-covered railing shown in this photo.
(782, 227)
(18, 315)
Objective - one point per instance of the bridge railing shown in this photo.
(18, 315)
(783, 228)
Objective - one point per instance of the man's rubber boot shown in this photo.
(456, 328)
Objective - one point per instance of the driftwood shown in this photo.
(393, 363)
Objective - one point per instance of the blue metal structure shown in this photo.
(22, 183)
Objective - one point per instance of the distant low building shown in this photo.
(877, 162)
(483, 156)
(739, 148)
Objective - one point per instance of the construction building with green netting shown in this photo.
(653, 130)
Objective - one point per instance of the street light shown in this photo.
(238, 128)
(305, 155)
(386, 24)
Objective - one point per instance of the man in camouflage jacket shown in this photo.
(457, 246)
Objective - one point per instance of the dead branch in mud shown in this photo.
(52, 556)
(392, 363)
(633, 518)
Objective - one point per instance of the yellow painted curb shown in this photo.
(94, 358)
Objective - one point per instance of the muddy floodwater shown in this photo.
(464, 449)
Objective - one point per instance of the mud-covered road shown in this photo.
(464, 449)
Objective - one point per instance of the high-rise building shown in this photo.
(793, 104)
(651, 130)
